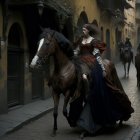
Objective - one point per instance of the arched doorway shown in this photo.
(102, 34)
(14, 66)
(138, 36)
(83, 19)
(118, 38)
(108, 51)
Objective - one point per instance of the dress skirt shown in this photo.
(105, 105)
(86, 121)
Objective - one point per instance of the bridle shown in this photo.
(44, 58)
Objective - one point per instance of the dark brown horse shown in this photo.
(126, 58)
(137, 65)
(65, 78)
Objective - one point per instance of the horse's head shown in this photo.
(46, 48)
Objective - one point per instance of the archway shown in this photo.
(138, 36)
(102, 34)
(118, 38)
(14, 66)
(83, 19)
(108, 51)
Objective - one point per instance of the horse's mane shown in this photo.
(64, 44)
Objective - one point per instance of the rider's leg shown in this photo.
(132, 55)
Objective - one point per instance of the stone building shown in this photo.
(129, 29)
(137, 22)
(110, 17)
(20, 26)
(21, 22)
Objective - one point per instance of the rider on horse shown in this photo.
(128, 46)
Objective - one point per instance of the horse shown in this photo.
(65, 76)
(65, 79)
(137, 65)
(126, 57)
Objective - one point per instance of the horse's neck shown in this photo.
(60, 60)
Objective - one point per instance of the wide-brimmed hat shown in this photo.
(92, 28)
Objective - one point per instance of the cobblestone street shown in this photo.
(41, 128)
(133, 92)
(69, 50)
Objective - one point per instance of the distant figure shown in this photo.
(128, 46)
(128, 43)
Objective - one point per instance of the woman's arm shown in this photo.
(96, 53)
(98, 48)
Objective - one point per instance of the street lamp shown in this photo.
(40, 7)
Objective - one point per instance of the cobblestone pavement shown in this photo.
(133, 93)
(41, 128)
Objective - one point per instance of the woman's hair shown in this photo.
(93, 29)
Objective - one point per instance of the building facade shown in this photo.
(137, 22)
(20, 27)
(110, 18)
(129, 29)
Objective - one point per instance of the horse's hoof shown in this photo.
(83, 134)
(53, 134)
(120, 123)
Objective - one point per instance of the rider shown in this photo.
(106, 102)
(95, 47)
(128, 45)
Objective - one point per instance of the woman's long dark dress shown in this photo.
(106, 103)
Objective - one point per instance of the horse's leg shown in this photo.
(66, 100)
(124, 69)
(138, 80)
(56, 98)
(128, 68)
(120, 122)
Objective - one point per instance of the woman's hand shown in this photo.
(104, 73)
(84, 76)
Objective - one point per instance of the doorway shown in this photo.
(14, 67)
